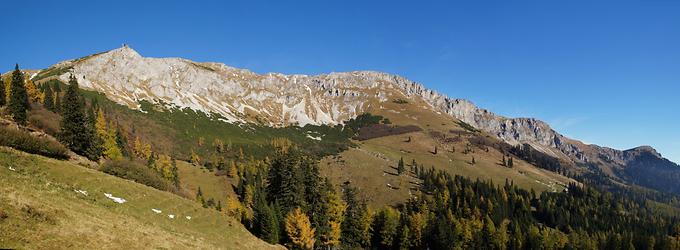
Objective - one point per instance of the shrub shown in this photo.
(400, 101)
(137, 172)
(44, 119)
(380, 130)
(22, 140)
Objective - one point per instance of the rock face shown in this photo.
(239, 95)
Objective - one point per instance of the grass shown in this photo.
(53, 71)
(40, 209)
(371, 166)
(212, 186)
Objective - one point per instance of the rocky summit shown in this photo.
(273, 99)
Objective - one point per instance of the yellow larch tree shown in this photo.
(299, 230)
(107, 135)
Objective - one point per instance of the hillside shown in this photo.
(41, 207)
(239, 96)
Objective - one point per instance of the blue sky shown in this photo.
(605, 72)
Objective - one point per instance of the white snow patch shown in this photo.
(11, 168)
(83, 192)
(156, 211)
(188, 217)
(115, 199)
(314, 137)
(171, 216)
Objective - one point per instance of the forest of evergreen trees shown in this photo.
(450, 212)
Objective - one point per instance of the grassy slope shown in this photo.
(372, 165)
(216, 187)
(44, 211)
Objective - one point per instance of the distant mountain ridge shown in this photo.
(273, 99)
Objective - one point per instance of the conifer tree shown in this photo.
(75, 132)
(18, 101)
(400, 166)
(387, 225)
(355, 230)
(3, 101)
(266, 221)
(405, 238)
(57, 102)
(175, 173)
(48, 101)
(329, 217)
(510, 163)
(299, 230)
(199, 196)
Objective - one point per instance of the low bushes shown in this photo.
(380, 130)
(22, 140)
(137, 172)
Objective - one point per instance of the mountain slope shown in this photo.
(40, 207)
(272, 99)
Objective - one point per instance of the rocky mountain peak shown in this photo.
(124, 52)
(239, 95)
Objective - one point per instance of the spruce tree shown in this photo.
(48, 102)
(400, 166)
(266, 222)
(18, 101)
(2, 92)
(75, 130)
(352, 226)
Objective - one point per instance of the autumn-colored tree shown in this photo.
(34, 94)
(219, 145)
(141, 149)
(331, 216)
(164, 166)
(195, 159)
(233, 170)
(233, 207)
(107, 136)
(299, 230)
(387, 225)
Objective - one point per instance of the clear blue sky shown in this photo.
(605, 72)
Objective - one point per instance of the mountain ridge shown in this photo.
(274, 99)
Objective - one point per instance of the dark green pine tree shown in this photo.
(57, 102)
(48, 102)
(285, 181)
(400, 166)
(352, 234)
(510, 163)
(175, 173)
(18, 98)
(76, 133)
(267, 224)
(2, 92)
(57, 97)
